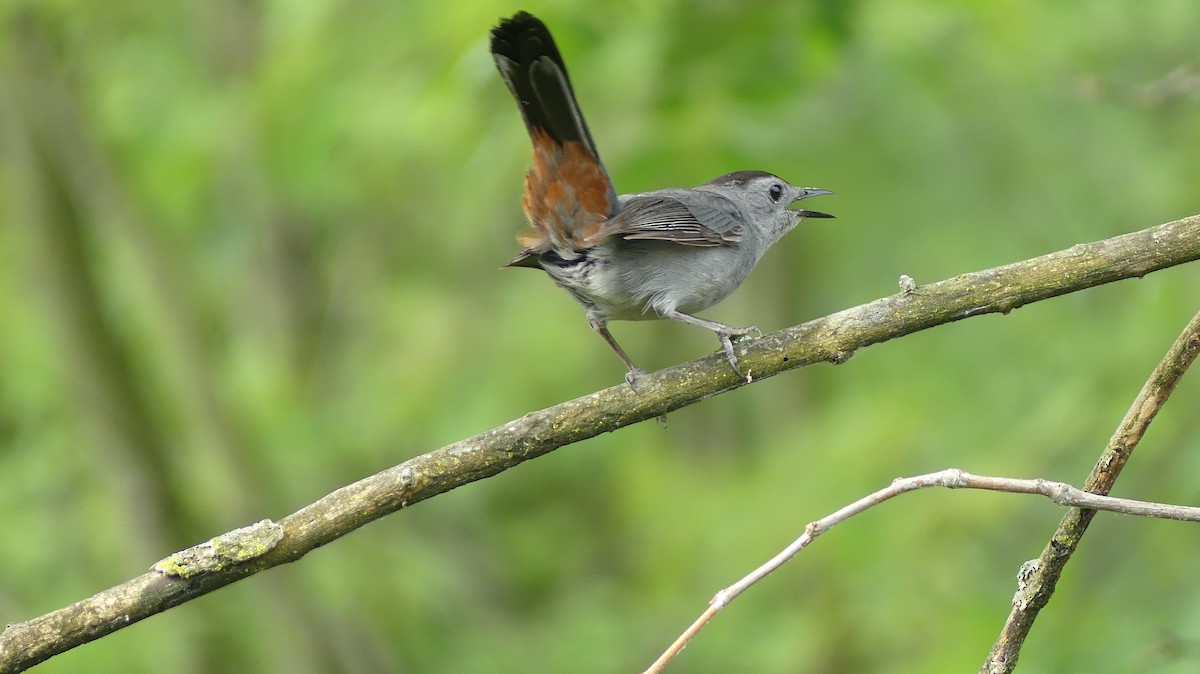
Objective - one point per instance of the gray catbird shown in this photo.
(662, 254)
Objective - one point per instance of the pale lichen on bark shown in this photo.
(233, 547)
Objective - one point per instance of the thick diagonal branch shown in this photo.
(831, 339)
(1044, 572)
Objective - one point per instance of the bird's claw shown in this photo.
(633, 376)
(727, 347)
(737, 335)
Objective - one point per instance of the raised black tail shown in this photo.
(568, 194)
(534, 71)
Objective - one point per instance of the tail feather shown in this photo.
(534, 71)
(568, 194)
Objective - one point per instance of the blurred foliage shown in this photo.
(249, 253)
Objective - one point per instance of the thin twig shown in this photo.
(1040, 576)
(952, 478)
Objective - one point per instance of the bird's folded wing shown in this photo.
(704, 220)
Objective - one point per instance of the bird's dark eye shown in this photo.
(775, 192)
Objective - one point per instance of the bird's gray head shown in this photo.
(765, 200)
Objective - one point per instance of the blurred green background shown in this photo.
(249, 252)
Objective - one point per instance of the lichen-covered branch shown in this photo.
(833, 338)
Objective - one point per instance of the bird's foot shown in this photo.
(633, 376)
(727, 346)
(728, 337)
(738, 334)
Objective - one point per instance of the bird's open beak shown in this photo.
(807, 192)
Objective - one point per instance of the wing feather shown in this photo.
(703, 220)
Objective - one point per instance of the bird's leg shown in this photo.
(600, 324)
(726, 333)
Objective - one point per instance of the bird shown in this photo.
(663, 254)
